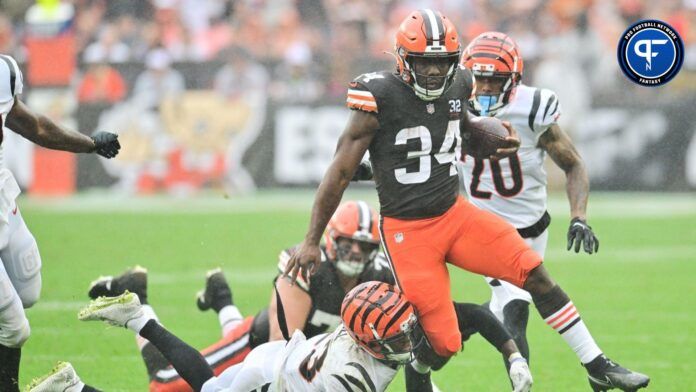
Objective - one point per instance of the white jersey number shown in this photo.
(498, 181)
(447, 154)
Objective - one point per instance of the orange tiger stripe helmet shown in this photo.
(493, 55)
(380, 320)
(354, 220)
(427, 35)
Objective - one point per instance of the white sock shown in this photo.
(149, 312)
(230, 317)
(568, 323)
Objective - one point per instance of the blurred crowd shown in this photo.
(307, 50)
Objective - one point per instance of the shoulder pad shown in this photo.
(360, 95)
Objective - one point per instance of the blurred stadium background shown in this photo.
(228, 114)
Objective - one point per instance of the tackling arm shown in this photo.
(561, 149)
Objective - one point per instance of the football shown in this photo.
(484, 136)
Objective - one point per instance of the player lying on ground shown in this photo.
(20, 267)
(349, 257)
(378, 333)
(411, 122)
(234, 345)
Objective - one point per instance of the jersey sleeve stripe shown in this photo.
(365, 374)
(368, 106)
(13, 73)
(535, 108)
(548, 105)
(343, 382)
(361, 94)
(356, 382)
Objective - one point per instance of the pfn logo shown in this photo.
(650, 53)
(647, 53)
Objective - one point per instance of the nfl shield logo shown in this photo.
(430, 108)
(399, 237)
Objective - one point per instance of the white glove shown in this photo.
(519, 373)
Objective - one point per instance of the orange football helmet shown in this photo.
(426, 36)
(493, 55)
(380, 320)
(357, 222)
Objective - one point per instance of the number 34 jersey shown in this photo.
(414, 152)
(514, 188)
(330, 362)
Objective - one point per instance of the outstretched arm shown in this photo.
(561, 149)
(46, 133)
(352, 144)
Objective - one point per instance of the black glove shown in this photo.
(581, 233)
(363, 172)
(106, 144)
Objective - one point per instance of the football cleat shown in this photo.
(61, 379)
(133, 279)
(217, 293)
(117, 311)
(606, 374)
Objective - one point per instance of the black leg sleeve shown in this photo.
(187, 361)
(476, 318)
(88, 388)
(154, 360)
(9, 368)
(516, 314)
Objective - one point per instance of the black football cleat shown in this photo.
(217, 293)
(133, 279)
(604, 374)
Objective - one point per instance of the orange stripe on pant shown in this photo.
(178, 384)
(466, 236)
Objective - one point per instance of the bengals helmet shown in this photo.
(426, 36)
(493, 55)
(380, 320)
(352, 237)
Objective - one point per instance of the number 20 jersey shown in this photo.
(514, 188)
(414, 152)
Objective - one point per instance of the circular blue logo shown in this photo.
(650, 52)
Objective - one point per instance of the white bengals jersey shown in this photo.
(331, 362)
(11, 85)
(514, 188)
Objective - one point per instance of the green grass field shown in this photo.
(636, 295)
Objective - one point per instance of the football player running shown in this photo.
(515, 188)
(378, 333)
(410, 121)
(20, 269)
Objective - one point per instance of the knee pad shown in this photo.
(14, 337)
(26, 271)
